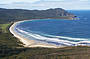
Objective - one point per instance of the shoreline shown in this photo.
(28, 42)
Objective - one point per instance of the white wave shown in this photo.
(70, 38)
(39, 37)
(56, 39)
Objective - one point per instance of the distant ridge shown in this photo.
(21, 14)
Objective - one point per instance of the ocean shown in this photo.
(58, 31)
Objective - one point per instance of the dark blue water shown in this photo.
(59, 31)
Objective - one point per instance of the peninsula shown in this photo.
(11, 15)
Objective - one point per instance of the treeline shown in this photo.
(8, 15)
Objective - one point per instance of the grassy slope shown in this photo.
(9, 50)
(8, 43)
(4, 27)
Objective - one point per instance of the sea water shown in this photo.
(58, 31)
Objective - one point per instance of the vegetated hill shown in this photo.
(21, 14)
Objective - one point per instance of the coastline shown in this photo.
(28, 42)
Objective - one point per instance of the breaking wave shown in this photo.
(58, 40)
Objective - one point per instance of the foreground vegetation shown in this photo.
(10, 48)
(4, 27)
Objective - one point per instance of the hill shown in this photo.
(21, 14)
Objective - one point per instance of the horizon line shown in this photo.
(43, 9)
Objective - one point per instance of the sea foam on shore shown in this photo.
(32, 38)
(28, 42)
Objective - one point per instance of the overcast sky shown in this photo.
(46, 4)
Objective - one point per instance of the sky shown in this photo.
(46, 4)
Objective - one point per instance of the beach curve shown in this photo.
(28, 42)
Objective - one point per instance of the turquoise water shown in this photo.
(58, 31)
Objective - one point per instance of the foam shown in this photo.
(58, 39)
(55, 39)
(70, 38)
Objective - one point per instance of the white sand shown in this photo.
(30, 43)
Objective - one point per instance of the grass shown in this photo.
(8, 43)
(4, 27)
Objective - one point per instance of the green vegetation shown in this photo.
(10, 48)
(52, 53)
(4, 27)
(8, 43)
(9, 15)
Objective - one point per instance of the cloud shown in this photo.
(53, 0)
(64, 0)
(11, 1)
(45, 4)
(84, 0)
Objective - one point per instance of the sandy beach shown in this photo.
(28, 42)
